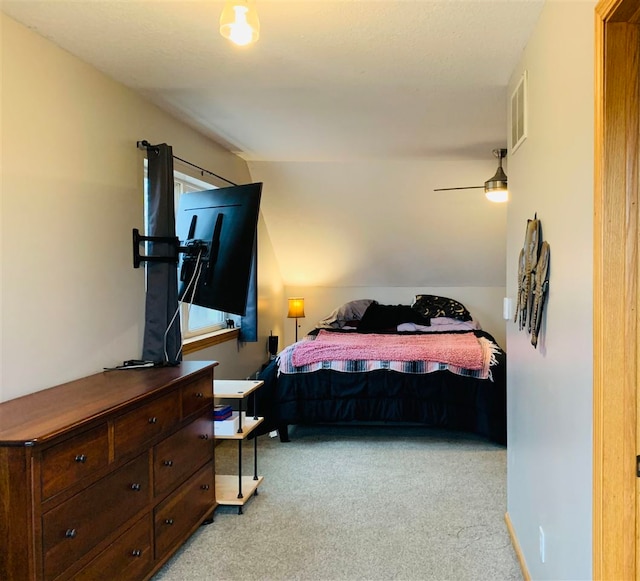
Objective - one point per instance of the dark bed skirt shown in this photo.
(440, 399)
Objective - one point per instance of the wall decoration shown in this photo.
(533, 280)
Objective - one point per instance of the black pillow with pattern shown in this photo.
(433, 306)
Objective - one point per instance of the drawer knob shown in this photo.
(70, 533)
(168, 462)
(205, 487)
(81, 458)
(199, 394)
(135, 486)
(153, 420)
(168, 521)
(136, 553)
(204, 436)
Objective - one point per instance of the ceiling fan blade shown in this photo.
(462, 188)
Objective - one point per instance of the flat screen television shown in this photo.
(218, 230)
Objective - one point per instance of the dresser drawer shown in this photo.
(73, 460)
(184, 509)
(127, 559)
(71, 529)
(182, 454)
(136, 428)
(197, 395)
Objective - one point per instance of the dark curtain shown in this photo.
(162, 342)
(249, 323)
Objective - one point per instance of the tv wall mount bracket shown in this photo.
(173, 248)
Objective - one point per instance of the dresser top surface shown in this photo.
(40, 416)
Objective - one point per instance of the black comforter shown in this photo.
(440, 399)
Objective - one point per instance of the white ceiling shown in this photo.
(329, 82)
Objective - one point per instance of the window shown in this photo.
(194, 320)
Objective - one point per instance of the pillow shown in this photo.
(442, 325)
(434, 306)
(348, 313)
(451, 323)
(385, 317)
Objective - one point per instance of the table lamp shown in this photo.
(296, 311)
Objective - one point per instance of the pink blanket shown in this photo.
(462, 350)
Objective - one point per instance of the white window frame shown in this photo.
(183, 184)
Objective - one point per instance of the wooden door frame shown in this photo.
(615, 302)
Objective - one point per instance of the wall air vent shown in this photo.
(518, 115)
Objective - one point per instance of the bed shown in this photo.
(427, 363)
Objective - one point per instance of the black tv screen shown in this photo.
(218, 230)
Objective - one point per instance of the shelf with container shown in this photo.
(237, 489)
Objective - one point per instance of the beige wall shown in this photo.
(378, 223)
(71, 193)
(550, 388)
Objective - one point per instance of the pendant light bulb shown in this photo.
(239, 22)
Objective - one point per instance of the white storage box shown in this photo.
(228, 427)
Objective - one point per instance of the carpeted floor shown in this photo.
(360, 503)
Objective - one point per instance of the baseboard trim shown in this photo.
(516, 548)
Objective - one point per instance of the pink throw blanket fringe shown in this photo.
(462, 350)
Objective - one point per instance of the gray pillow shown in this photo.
(347, 313)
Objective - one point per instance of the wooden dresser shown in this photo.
(105, 477)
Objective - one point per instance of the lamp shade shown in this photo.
(296, 308)
(239, 22)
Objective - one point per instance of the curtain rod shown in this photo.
(144, 144)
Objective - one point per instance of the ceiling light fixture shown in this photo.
(495, 189)
(239, 22)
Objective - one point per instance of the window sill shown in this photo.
(194, 344)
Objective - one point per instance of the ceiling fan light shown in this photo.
(497, 195)
(495, 189)
(498, 180)
(239, 22)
